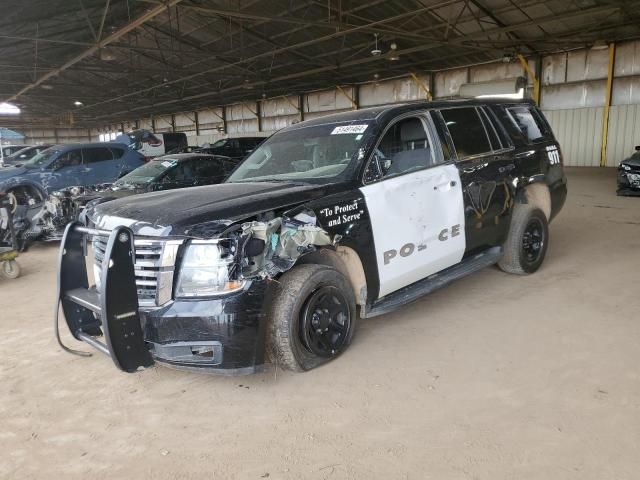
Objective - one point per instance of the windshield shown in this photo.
(148, 172)
(317, 154)
(42, 158)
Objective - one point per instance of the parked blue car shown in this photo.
(63, 166)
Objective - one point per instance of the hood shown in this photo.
(633, 160)
(200, 211)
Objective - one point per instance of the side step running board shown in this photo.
(434, 282)
(114, 311)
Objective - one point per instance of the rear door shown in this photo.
(99, 165)
(414, 200)
(484, 166)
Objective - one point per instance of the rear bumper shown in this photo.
(558, 192)
(222, 335)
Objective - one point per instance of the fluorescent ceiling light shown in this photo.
(8, 109)
(77, 103)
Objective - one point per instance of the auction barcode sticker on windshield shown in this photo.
(345, 129)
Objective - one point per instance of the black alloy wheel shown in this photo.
(533, 240)
(325, 321)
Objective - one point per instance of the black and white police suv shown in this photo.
(347, 216)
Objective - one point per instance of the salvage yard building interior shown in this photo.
(494, 376)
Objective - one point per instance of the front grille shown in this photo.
(154, 268)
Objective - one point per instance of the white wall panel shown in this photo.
(280, 106)
(575, 95)
(624, 133)
(242, 111)
(554, 69)
(242, 126)
(328, 100)
(145, 124)
(579, 132)
(627, 59)
(447, 83)
(495, 71)
(273, 124)
(393, 91)
(626, 91)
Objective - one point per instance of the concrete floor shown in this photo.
(495, 377)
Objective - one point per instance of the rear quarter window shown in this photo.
(528, 122)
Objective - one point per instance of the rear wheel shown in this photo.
(313, 317)
(526, 245)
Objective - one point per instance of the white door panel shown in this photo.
(418, 225)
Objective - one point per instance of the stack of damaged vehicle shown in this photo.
(36, 187)
(346, 216)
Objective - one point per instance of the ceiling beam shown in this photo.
(100, 44)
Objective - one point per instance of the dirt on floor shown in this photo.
(494, 377)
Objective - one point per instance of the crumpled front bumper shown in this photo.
(218, 335)
(628, 182)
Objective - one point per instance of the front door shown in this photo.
(416, 207)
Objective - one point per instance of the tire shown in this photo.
(527, 242)
(298, 314)
(10, 269)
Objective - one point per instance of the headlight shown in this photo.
(626, 167)
(207, 269)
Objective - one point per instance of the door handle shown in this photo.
(506, 168)
(452, 183)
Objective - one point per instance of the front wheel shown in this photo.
(10, 269)
(527, 243)
(312, 319)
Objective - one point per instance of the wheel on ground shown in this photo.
(312, 319)
(10, 269)
(527, 242)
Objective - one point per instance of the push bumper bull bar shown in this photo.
(109, 321)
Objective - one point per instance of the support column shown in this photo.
(173, 122)
(197, 122)
(422, 86)
(224, 119)
(607, 104)
(301, 103)
(532, 76)
(259, 114)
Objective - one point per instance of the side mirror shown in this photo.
(637, 148)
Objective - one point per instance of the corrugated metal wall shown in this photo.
(579, 131)
(624, 132)
(573, 98)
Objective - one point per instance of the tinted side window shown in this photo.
(183, 172)
(493, 136)
(405, 147)
(69, 159)
(505, 139)
(467, 131)
(117, 152)
(208, 168)
(96, 154)
(528, 123)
